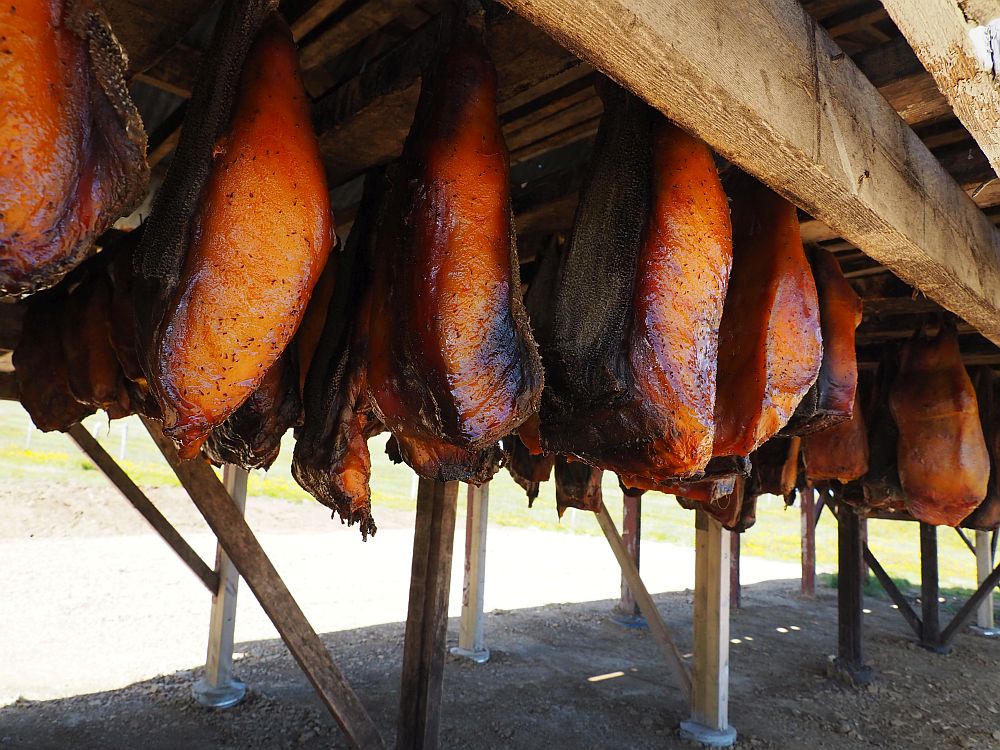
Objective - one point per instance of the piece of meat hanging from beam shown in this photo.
(987, 515)
(631, 358)
(722, 499)
(453, 367)
(331, 459)
(839, 452)
(257, 242)
(72, 145)
(770, 344)
(577, 486)
(880, 485)
(830, 401)
(775, 468)
(40, 366)
(944, 467)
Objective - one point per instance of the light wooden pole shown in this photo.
(807, 502)
(218, 688)
(984, 566)
(709, 722)
(471, 637)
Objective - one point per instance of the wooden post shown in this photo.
(709, 722)
(735, 589)
(252, 562)
(427, 617)
(471, 639)
(628, 609)
(657, 627)
(218, 688)
(850, 597)
(807, 501)
(984, 566)
(930, 630)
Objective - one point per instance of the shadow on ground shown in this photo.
(539, 691)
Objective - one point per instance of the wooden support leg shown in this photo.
(218, 688)
(930, 631)
(735, 589)
(239, 542)
(627, 611)
(984, 566)
(709, 722)
(471, 639)
(850, 598)
(807, 500)
(427, 617)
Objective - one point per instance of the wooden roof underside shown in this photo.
(362, 61)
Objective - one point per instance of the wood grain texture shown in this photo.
(800, 116)
(957, 50)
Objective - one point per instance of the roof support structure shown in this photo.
(765, 85)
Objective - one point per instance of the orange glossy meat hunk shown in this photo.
(770, 345)
(839, 452)
(260, 240)
(944, 466)
(72, 146)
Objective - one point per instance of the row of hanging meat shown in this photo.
(680, 328)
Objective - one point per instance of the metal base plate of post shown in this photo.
(692, 730)
(629, 621)
(224, 696)
(480, 656)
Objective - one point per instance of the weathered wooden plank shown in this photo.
(962, 55)
(344, 32)
(148, 28)
(175, 71)
(984, 566)
(244, 550)
(800, 116)
(471, 624)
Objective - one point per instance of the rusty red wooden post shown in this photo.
(735, 592)
(807, 500)
(631, 529)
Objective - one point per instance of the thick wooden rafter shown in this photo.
(800, 115)
(960, 51)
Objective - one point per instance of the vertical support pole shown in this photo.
(850, 597)
(709, 722)
(735, 589)
(984, 566)
(427, 617)
(627, 612)
(218, 688)
(930, 630)
(471, 639)
(807, 501)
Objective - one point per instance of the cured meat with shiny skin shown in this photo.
(944, 467)
(95, 376)
(72, 145)
(577, 486)
(880, 484)
(258, 243)
(770, 344)
(314, 319)
(631, 370)
(251, 436)
(331, 459)
(831, 399)
(776, 468)
(839, 452)
(987, 516)
(527, 469)
(723, 500)
(40, 367)
(452, 365)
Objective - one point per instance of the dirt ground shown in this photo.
(537, 690)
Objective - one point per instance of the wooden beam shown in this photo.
(124, 484)
(348, 30)
(984, 566)
(471, 625)
(239, 542)
(807, 503)
(930, 628)
(961, 53)
(818, 132)
(631, 537)
(657, 627)
(850, 598)
(427, 617)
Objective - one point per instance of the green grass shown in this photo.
(53, 458)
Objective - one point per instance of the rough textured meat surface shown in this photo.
(40, 367)
(258, 244)
(723, 500)
(631, 370)
(770, 344)
(527, 469)
(251, 436)
(880, 484)
(331, 460)
(577, 486)
(987, 515)
(776, 468)
(72, 145)
(831, 399)
(453, 367)
(944, 467)
(839, 452)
